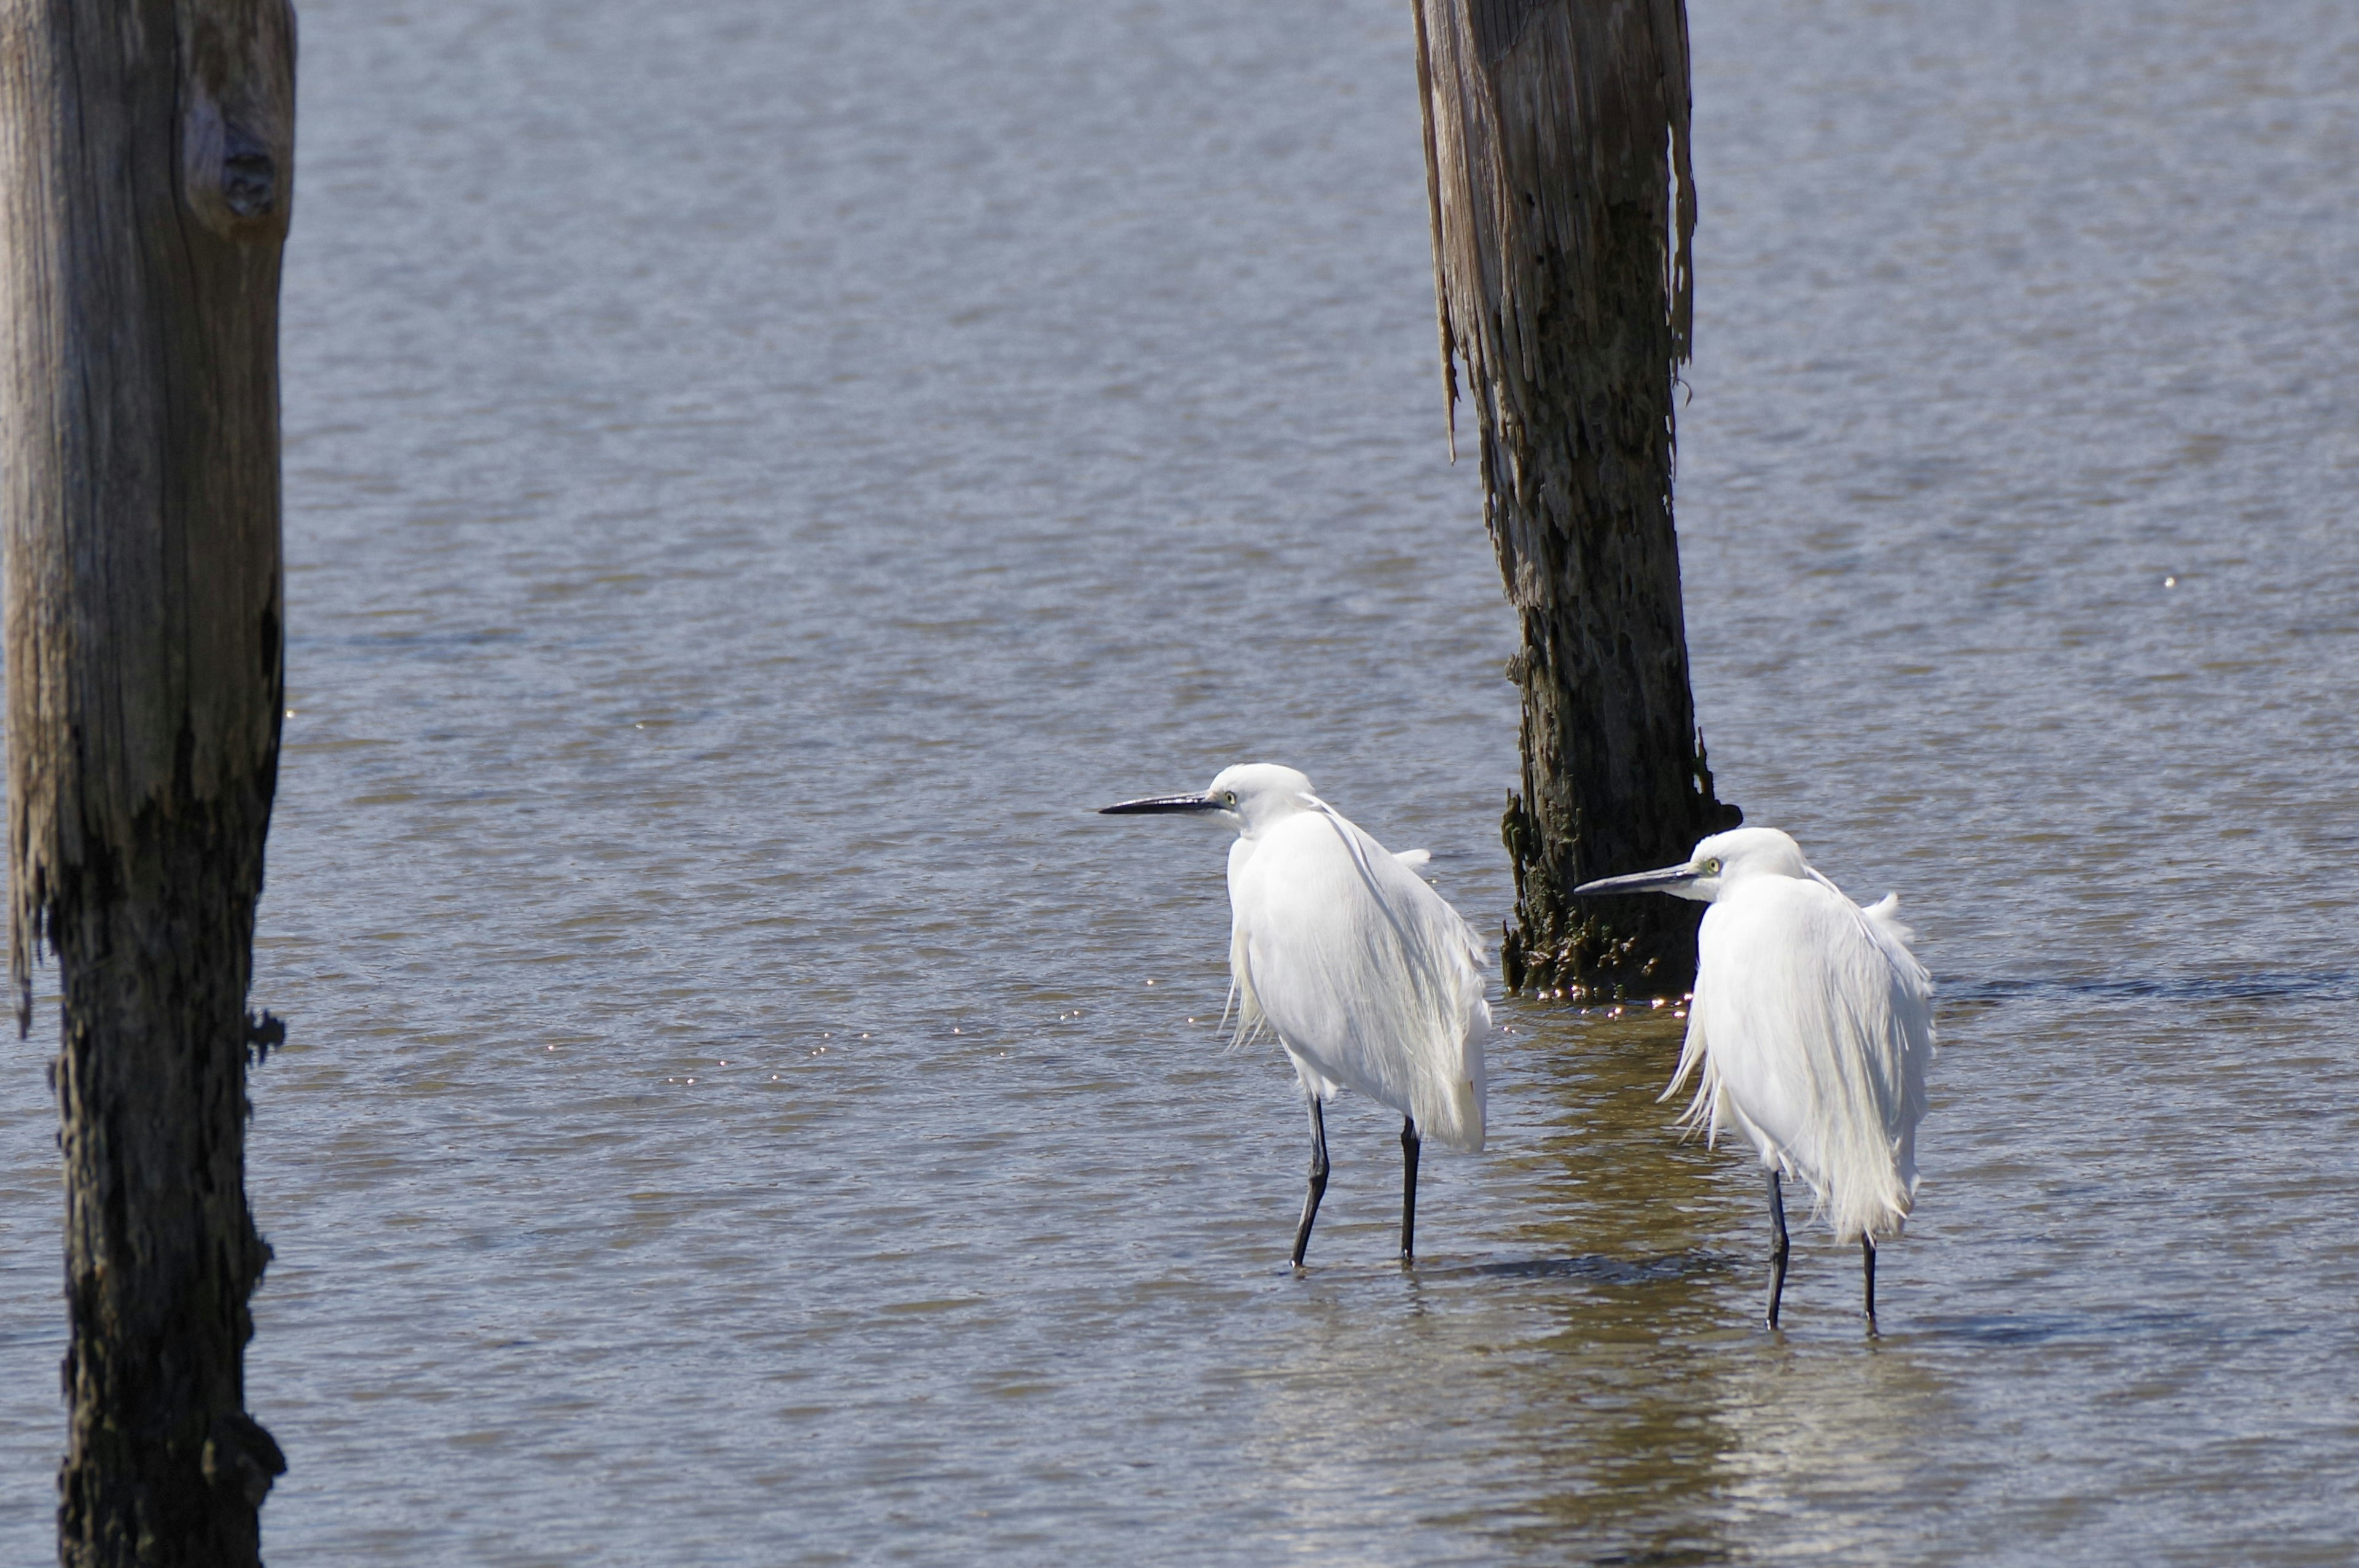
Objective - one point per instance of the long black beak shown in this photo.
(1665, 881)
(1161, 802)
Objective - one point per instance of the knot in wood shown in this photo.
(249, 175)
(241, 1456)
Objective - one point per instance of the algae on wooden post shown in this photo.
(146, 161)
(1556, 135)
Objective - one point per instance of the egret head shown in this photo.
(1247, 797)
(1719, 863)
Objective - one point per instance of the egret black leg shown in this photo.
(1867, 1265)
(1411, 1145)
(1777, 1246)
(1318, 1180)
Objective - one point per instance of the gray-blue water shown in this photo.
(756, 473)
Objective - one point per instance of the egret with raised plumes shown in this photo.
(1812, 1025)
(1366, 975)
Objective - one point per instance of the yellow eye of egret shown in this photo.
(1712, 867)
(1230, 799)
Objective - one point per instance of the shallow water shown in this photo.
(757, 473)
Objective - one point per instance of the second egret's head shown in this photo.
(1719, 863)
(1247, 797)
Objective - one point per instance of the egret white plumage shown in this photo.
(1366, 976)
(1812, 1023)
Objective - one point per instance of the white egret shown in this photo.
(1812, 1023)
(1367, 976)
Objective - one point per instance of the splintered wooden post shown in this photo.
(1557, 170)
(146, 161)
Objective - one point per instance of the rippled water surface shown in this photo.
(757, 472)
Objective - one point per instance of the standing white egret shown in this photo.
(1367, 976)
(1813, 1023)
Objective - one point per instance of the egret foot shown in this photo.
(1867, 1271)
(1779, 1246)
(1411, 1145)
(1318, 1181)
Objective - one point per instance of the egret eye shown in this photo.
(1712, 867)
(1229, 799)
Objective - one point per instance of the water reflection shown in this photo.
(1614, 1449)
(1577, 1372)
(1809, 1419)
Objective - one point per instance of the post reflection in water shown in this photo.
(1617, 1445)
(1578, 1365)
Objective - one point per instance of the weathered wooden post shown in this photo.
(1555, 138)
(147, 159)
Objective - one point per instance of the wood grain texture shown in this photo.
(146, 161)
(1562, 211)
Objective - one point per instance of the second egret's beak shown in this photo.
(1671, 878)
(1162, 803)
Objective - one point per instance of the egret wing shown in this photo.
(1365, 973)
(1913, 1009)
(1812, 1024)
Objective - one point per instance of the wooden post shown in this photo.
(1556, 137)
(147, 159)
